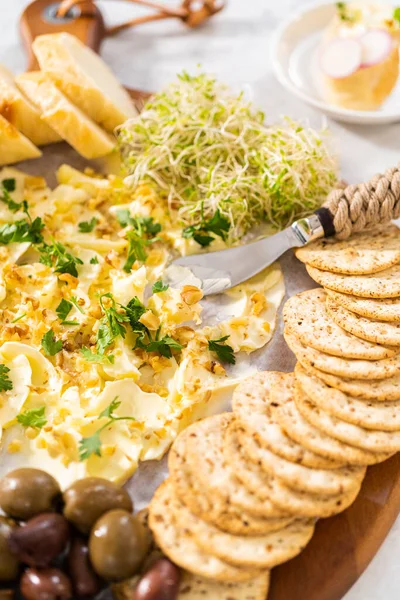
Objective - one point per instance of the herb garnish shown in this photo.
(22, 231)
(223, 351)
(94, 260)
(50, 345)
(87, 226)
(96, 358)
(111, 325)
(217, 225)
(19, 318)
(7, 186)
(35, 417)
(92, 445)
(159, 287)
(343, 12)
(396, 14)
(57, 255)
(142, 233)
(5, 381)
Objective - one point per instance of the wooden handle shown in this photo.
(355, 207)
(85, 21)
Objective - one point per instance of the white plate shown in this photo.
(293, 57)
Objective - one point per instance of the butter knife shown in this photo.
(347, 210)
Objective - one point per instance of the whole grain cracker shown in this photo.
(381, 416)
(252, 405)
(385, 284)
(212, 510)
(385, 309)
(256, 552)
(343, 367)
(306, 317)
(377, 332)
(271, 488)
(298, 477)
(365, 252)
(295, 425)
(374, 441)
(372, 389)
(179, 546)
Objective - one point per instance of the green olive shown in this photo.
(88, 499)
(25, 493)
(118, 545)
(9, 564)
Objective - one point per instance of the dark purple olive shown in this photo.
(88, 499)
(40, 540)
(161, 582)
(85, 582)
(25, 493)
(9, 564)
(118, 545)
(45, 584)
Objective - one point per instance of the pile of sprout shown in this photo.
(208, 151)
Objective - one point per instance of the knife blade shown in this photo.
(219, 271)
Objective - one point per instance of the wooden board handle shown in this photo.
(40, 17)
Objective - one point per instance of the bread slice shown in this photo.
(14, 146)
(84, 77)
(21, 113)
(67, 120)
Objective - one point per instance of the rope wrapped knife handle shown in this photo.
(357, 207)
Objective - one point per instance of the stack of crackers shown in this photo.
(245, 488)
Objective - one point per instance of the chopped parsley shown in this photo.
(222, 350)
(112, 324)
(143, 232)
(96, 358)
(22, 231)
(94, 260)
(8, 186)
(159, 286)
(344, 13)
(204, 232)
(63, 309)
(87, 226)
(91, 445)
(56, 255)
(50, 345)
(5, 381)
(35, 417)
(396, 14)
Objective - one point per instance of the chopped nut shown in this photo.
(14, 446)
(95, 312)
(191, 294)
(183, 334)
(217, 369)
(69, 279)
(150, 320)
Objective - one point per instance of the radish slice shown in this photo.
(341, 57)
(376, 47)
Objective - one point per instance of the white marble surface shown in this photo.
(235, 46)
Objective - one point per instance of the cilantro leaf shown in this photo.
(5, 381)
(35, 417)
(396, 14)
(108, 412)
(63, 309)
(50, 345)
(223, 351)
(159, 286)
(56, 255)
(7, 186)
(94, 260)
(96, 358)
(217, 225)
(87, 226)
(90, 445)
(164, 346)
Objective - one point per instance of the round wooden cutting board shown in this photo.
(342, 546)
